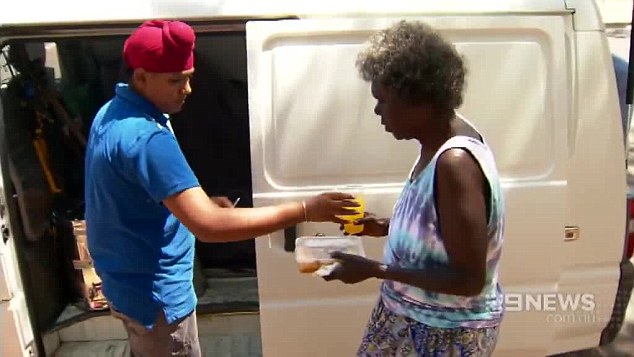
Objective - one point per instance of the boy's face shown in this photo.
(167, 91)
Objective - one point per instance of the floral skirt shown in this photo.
(389, 334)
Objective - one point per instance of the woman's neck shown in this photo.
(435, 136)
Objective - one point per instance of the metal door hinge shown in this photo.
(5, 233)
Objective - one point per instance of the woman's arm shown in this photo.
(461, 207)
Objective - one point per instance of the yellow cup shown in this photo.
(351, 228)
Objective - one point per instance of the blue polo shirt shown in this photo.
(142, 253)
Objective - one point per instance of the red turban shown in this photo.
(161, 46)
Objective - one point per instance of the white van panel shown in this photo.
(587, 14)
(9, 341)
(16, 328)
(312, 128)
(5, 293)
(597, 199)
(615, 11)
(316, 118)
(15, 315)
(301, 127)
(66, 11)
(522, 133)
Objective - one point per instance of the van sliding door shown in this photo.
(313, 129)
(16, 333)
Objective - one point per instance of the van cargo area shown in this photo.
(51, 90)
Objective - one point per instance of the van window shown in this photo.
(49, 55)
(6, 70)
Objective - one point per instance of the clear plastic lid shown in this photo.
(313, 253)
(318, 249)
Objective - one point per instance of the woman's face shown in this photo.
(399, 118)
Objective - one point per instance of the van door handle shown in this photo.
(572, 233)
(290, 233)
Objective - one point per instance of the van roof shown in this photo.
(67, 12)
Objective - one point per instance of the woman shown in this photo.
(440, 294)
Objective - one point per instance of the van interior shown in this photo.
(51, 90)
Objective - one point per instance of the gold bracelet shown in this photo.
(305, 213)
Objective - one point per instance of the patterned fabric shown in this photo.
(415, 242)
(392, 335)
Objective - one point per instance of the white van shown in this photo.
(279, 113)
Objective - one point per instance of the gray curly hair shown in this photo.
(413, 59)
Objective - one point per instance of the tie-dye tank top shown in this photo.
(414, 243)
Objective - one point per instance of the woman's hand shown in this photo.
(352, 269)
(372, 226)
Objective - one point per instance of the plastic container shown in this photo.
(311, 253)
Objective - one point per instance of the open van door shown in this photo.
(17, 335)
(313, 129)
(16, 332)
(15, 325)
